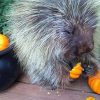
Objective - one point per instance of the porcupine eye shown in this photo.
(67, 28)
(68, 32)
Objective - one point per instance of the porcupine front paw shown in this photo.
(89, 69)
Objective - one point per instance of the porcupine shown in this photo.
(50, 36)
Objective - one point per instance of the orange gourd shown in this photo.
(94, 82)
(76, 71)
(4, 42)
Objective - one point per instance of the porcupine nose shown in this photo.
(84, 47)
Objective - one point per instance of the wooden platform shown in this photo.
(24, 90)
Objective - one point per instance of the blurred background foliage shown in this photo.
(4, 7)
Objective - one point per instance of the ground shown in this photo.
(24, 90)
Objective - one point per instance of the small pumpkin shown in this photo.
(94, 82)
(76, 71)
(4, 42)
(90, 98)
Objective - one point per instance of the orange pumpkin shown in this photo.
(4, 42)
(94, 82)
(76, 71)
